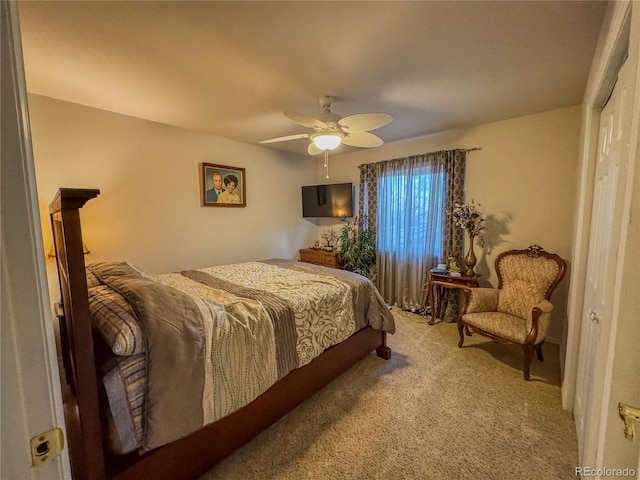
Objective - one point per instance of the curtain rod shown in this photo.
(465, 150)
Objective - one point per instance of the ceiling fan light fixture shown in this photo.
(330, 129)
(326, 141)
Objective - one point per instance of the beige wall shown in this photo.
(149, 212)
(524, 177)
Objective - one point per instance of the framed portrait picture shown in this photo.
(222, 186)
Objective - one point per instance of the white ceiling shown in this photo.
(232, 68)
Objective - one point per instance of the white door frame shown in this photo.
(31, 398)
(621, 27)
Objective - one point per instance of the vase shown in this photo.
(470, 260)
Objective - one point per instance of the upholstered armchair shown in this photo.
(519, 310)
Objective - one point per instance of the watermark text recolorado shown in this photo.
(586, 472)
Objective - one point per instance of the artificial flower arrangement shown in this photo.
(468, 217)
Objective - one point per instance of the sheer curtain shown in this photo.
(406, 201)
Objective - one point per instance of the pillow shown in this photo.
(125, 385)
(116, 321)
(92, 280)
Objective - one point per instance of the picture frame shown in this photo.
(214, 180)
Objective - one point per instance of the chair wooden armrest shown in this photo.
(538, 321)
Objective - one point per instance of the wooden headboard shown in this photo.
(82, 413)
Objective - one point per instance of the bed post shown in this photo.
(383, 351)
(82, 413)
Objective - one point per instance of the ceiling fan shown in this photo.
(330, 129)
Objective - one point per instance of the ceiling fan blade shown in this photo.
(363, 122)
(362, 139)
(288, 137)
(313, 149)
(305, 120)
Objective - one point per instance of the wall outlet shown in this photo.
(46, 446)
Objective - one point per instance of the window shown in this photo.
(406, 199)
(411, 212)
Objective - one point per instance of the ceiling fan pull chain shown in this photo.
(326, 162)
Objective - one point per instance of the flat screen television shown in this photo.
(335, 200)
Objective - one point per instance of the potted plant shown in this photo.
(357, 246)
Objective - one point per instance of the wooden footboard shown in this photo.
(193, 455)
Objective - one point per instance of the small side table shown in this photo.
(443, 279)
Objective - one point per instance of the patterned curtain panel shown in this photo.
(406, 200)
(368, 204)
(455, 164)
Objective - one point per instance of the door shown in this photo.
(31, 400)
(615, 449)
(594, 307)
(601, 307)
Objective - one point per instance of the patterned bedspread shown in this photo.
(216, 338)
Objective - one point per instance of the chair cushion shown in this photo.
(525, 281)
(517, 298)
(482, 300)
(503, 325)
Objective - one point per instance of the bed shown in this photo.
(166, 375)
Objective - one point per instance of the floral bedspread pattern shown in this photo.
(322, 304)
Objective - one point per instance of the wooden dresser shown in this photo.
(320, 257)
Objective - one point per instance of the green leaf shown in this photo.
(357, 246)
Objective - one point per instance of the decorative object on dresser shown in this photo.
(320, 257)
(443, 279)
(245, 296)
(519, 310)
(330, 238)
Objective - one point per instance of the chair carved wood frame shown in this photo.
(519, 310)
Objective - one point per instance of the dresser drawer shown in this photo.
(331, 261)
(320, 257)
(312, 257)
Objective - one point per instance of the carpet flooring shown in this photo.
(433, 411)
